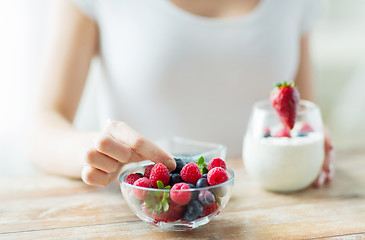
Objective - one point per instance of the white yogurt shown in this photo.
(284, 164)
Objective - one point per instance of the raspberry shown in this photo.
(180, 197)
(191, 173)
(267, 132)
(159, 173)
(216, 162)
(283, 133)
(147, 171)
(207, 210)
(174, 213)
(140, 193)
(217, 176)
(131, 178)
(306, 128)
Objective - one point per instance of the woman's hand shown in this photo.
(120, 144)
(327, 172)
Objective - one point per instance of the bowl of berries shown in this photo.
(186, 198)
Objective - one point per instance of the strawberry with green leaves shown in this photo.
(285, 100)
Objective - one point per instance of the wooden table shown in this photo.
(42, 206)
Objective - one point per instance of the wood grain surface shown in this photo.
(50, 207)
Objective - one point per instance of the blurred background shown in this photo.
(338, 52)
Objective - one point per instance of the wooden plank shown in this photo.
(347, 237)
(42, 206)
(298, 222)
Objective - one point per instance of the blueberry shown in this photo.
(302, 134)
(139, 174)
(205, 175)
(194, 194)
(179, 165)
(267, 134)
(191, 185)
(193, 210)
(189, 217)
(175, 178)
(206, 197)
(202, 183)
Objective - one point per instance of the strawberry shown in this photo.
(285, 101)
(207, 210)
(174, 213)
(283, 133)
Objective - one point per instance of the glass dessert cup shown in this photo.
(284, 164)
(171, 218)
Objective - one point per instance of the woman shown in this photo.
(189, 68)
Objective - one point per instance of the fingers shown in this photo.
(327, 173)
(120, 144)
(100, 169)
(101, 161)
(113, 148)
(139, 144)
(95, 177)
(320, 179)
(328, 165)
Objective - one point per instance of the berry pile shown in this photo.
(180, 202)
(303, 131)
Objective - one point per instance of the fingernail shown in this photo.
(170, 164)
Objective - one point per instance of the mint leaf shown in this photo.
(204, 169)
(152, 199)
(200, 161)
(159, 207)
(165, 205)
(202, 165)
(160, 184)
(158, 201)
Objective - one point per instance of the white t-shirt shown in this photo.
(167, 72)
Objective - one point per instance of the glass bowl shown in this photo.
(191, 150)
(148, 204)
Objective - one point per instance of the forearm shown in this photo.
(304, 79)
(72, 41)
(56, 147)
